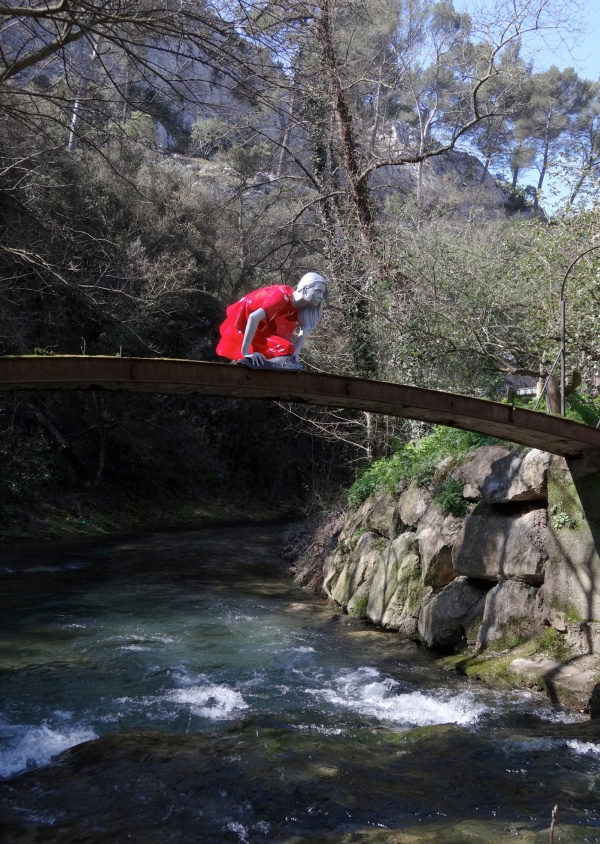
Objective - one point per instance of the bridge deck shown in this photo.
(161, 375)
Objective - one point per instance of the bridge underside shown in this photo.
(161, 375)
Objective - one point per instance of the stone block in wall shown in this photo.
(412, 504)
(572, 586)
(379, 515)
(509, 608)
(445, 617)
(396, 589)
(583, 638)
(383, 516)
(516, 478)
(477, 468)
(349, 533)
(436, 534)
(353, 570)
(495, 545)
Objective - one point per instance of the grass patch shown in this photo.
(415, 463)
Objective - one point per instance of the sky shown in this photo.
(584, 55)
(577, 45)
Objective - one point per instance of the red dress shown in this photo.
(273, 335)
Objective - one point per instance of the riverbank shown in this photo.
(492, 562)
(96, 516)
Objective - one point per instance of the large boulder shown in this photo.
(444, 619)
(396, 589)
(379, 515)
(571, 684)
(516, 478)
(436, 534)
(477, 468)
(348, 573)
(572, 587)
(509, 609)
(382, 516)
(495, 545)
(413, 503)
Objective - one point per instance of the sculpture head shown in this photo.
(308, 297)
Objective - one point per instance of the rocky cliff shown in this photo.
(498, 560)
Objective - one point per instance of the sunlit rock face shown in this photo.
(523, 556)
(495, 545)
(477, 468)
(516, 478)
(397, 589)
(436, 533)
(508, 602)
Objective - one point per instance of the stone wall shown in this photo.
(524, 556)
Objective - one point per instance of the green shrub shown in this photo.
(415, 463)
(583, 408)
(450, 498)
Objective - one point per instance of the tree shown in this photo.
(555, 100)
(583, 146)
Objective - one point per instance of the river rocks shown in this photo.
(349, 573)
(583, 638)
(496, 545)
(572, 585)
(509, 608)
(445, 617)
(379, 514)
(570, 683)
(382, 516)
(518, 478)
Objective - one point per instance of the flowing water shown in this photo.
(177, 687)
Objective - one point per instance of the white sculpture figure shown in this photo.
(258, 328)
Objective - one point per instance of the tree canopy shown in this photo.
(159, 159)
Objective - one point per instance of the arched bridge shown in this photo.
(162, 375)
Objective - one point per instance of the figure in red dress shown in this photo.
(258, 329)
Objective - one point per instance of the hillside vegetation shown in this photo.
(158, 161)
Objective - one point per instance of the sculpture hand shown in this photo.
(256, 359)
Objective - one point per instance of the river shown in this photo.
(178, 687)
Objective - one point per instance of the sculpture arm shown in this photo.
(251, 326)
(299, 342)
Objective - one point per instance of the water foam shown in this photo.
(28, 746)
(217, 702)
(584, 748)
(550, 744)
(363, 691)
